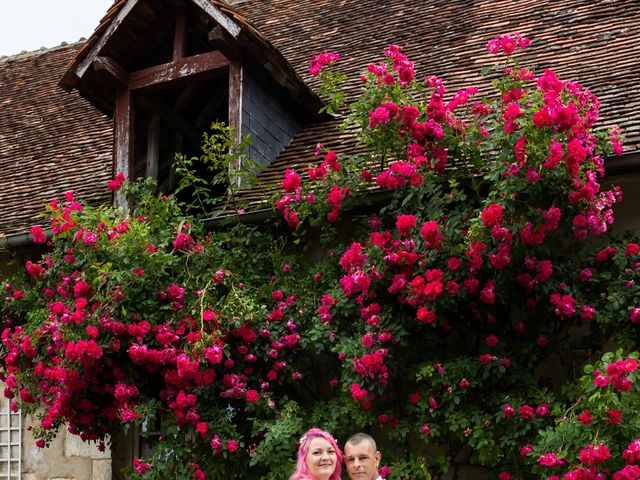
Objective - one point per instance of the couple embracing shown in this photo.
(320, 458)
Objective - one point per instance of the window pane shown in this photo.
(10, 441)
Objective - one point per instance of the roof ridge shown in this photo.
(40, 51)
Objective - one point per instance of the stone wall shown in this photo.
(67, 458)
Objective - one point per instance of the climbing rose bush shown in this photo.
(465, 273)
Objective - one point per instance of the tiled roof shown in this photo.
(593, 42)
(590, 41)
(50, 141)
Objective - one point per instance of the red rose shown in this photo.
(252, 396)
(492, 215)
(632, 249)
(232, 446)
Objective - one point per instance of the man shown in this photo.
(362, 457)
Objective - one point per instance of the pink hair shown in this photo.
(302, 470)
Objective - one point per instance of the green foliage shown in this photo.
(213, 179)
(279, 439)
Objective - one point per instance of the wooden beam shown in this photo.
(153, 147)
(123, 138)
(235, 109)
(210, 62)
(113, 68)
(180, 35)
(95, 51)
(214, 12)
(235, 97)
(223, 42)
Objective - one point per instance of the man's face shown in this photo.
(361, 461)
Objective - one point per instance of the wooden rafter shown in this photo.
(153, 147)
(158, 29)
(223, 42)
(123, 139)
(214, 12)
(180, 35)
(113, 68)
(188, 94)
(209, 63)
(95, 51)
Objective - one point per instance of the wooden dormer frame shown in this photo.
(209, 63)
(165, 74)
(161, 76)
(98, 73)
(221, 19)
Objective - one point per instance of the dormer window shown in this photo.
(166, 69)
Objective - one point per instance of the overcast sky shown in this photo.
(31, 24)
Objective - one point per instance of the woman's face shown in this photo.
(321, 459)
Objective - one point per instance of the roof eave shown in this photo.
(628, 162)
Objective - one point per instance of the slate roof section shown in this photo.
(590, 41)
(50, 141)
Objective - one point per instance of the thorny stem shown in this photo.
(202, 295)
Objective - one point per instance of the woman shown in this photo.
(319, 457)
